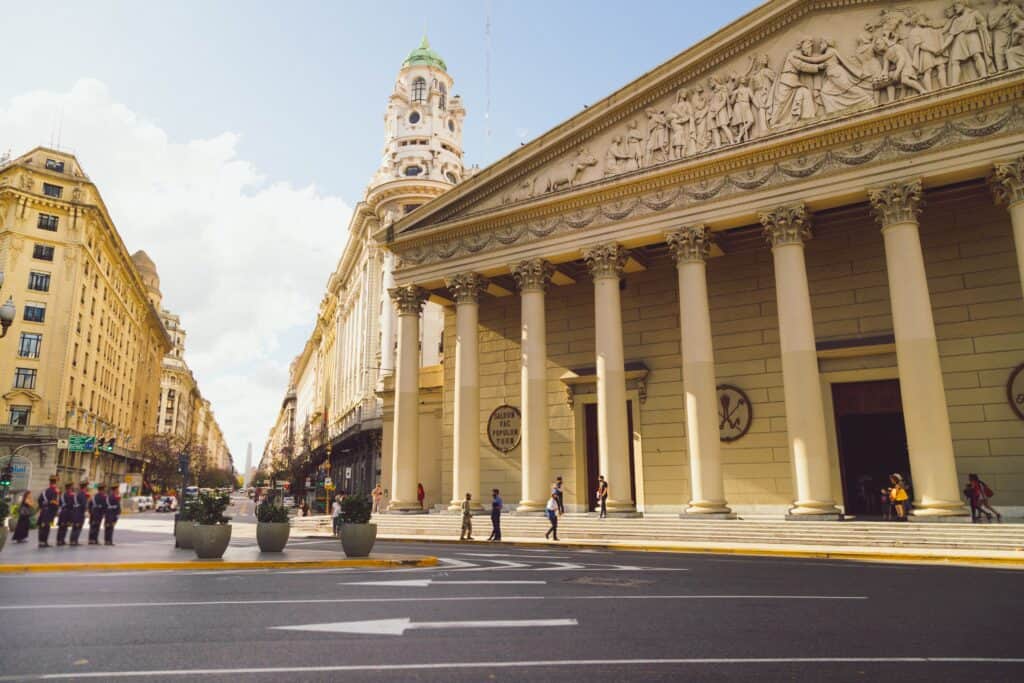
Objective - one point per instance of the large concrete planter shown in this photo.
(211, 540)
(11, 523)
(272, 536)
(3, 536)
(183, 534)
(357, 539)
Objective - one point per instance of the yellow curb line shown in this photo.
(425, 561)
(852, 555)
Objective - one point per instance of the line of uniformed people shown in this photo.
(72, 508)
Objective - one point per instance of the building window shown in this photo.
(419, 90)
(47, 222)
(442, 101)
(30, 343)
(451, 125)
(54, 165)
(42, 252)
(52, 190)
(39, 281)
(414, 118)
(25, 378)
(19, 416)
(451, 177)
(35, 313)
(413, 171)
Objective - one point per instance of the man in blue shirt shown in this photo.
(496, 505)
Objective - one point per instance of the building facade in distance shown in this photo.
(761, 278)
(83, 356)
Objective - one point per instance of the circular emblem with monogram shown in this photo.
(504, 428)
(1015, 390)
(734, 412)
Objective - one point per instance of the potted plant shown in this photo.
(211, 533)
(184, 523)
(5, 510)
(357, 534)
(272, 528)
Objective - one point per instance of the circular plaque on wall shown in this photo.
(504, 428)
(734, 412)
(1015, 390)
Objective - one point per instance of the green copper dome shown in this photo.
(423, 55)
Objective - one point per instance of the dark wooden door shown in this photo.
(593, 461)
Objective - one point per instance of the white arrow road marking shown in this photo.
(398, 627)
(423, 583)
(498, 564)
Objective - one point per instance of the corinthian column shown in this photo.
(1008, 187)
(690, 247)
(605, 263)
(929, 441)
(405, 465)
(466, 288)
(786, 228)
(532, 278)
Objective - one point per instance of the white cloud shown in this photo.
(241, 260)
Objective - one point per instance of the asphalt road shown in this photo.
(514, 614)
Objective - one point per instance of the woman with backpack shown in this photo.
(978, 492)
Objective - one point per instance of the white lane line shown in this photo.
(558, 557)
(460, 598)
(398, 627)
(437, 666)
(423, 583)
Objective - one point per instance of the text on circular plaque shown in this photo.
(734, 412)
(504, 428)
(1015, 390)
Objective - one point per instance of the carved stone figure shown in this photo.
(743, 109)
(793, 100)
(567, 178)
(1015, 52)
(699, 102)
(762, 82)
(616, 159)
(1002, 19)
(924, 41)
(635, 145)
(897, 66)
(870, 65)
(657, 137)
(843, 86)
(967, 40)
(719, 116)
(684, 138)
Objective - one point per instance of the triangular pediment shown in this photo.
(785, 67)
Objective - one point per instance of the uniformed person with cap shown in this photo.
(65, 515)
(49, 506)
(97, 513)
(78, 512)
(113, 513)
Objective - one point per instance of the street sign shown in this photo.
(328, 482)
(398, 627)
(62, 444)
(81, 443)
(348, 473)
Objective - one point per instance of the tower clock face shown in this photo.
(414, 117)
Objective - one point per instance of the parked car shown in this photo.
(142, 503)
(167, 504)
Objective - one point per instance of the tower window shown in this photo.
(442, 101)
(419, 90)
(413, 170)
(451, 125)
(451, 177)
(414, 117)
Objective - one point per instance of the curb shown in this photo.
(910, 557)
(424, 561)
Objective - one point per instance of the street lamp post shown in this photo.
(7, 311)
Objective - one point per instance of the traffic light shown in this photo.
(5, 476)
(99, 444)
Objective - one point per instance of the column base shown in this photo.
(529, 507)
(701, 514)
(455, 507)
(812, 511)
(397, 507)
(711, 509)
(949, 513)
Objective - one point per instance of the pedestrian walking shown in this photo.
(467, 518)
(65, 515)
(305, 508)
(97, 513)
(898, 495)
(420, 494)
(378, 494)
(336, 515)
(113, 514)
(556, 489)
(602, 496)
(980, 494)
(885, 503)
(25, 512)
(496, 505)
(49, 506)
(552, 511)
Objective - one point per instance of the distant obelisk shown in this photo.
(247, 477)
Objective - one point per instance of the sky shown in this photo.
(231, 139)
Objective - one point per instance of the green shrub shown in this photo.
(188, 511)
(356, 509)
(269, 512)
(209, 507)
(5, 510)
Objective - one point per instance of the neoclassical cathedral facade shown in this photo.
(761, 278)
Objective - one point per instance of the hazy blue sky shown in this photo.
(277, 106)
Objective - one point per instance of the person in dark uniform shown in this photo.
(78, 512)
(113, 514)
(64, 517)
(49, 505)
(97, 512)
(559, 492)
(496, 504)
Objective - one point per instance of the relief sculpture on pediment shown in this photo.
(832, 63)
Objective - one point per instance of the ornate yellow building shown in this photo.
(84, 353)
(762, 277)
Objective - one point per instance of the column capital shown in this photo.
(467, 287)
(790, 224)
(898, 202)
(606, 260)
(1007, 182)
(409, 299)
(691, 244)
(534, 274)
